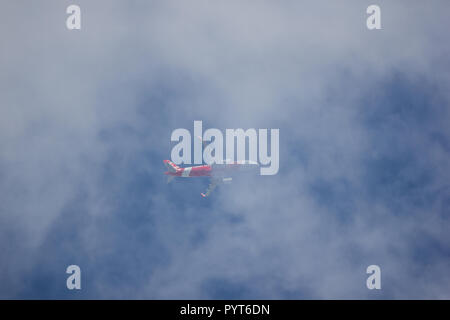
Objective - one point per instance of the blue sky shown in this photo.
(86, 119)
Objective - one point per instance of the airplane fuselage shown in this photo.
(196, 171)
(213, 170)
(218, 173)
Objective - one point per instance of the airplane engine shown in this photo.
(227, 180)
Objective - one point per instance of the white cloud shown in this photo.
(72, 100)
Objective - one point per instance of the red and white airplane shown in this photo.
(218, 172)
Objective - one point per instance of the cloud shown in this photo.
(364, 142)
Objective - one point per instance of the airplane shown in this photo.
(217, 172)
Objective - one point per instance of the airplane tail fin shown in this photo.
(172, 167)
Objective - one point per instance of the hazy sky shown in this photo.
(85, 123)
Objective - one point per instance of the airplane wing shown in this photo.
(170, 178)
(212, 185)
